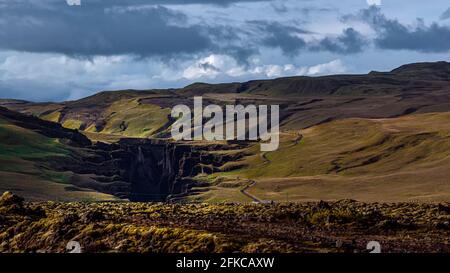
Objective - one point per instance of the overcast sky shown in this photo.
(53, 51)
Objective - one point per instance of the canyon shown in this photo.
(383, 136)
(145, 169)
(132, 168)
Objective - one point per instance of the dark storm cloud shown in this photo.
(86, 32)
(288, 39)
(236, 42)
(391, 34)
(277, 35)
(279, 7)
(113, 27)
(446, 14)
(169, 2)
(108, 3)
(350, 41)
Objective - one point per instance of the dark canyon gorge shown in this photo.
(136, 169)
(146, 169)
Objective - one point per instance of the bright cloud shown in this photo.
(222, 66)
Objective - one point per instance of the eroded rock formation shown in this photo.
(144, 169)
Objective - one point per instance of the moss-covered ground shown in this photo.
(343, 226)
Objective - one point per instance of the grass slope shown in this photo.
(129, 118)
(22, 155)
(398, 159)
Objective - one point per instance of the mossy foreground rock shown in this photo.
(8, 199)
(342, 226)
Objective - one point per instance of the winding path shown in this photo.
(295, 142)
(264, 158)
(251, 196)
(263, 155)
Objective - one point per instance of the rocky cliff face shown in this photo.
(144, 169)
(156, 170)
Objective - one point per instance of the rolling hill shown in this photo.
(383, 136)
(304, 101)
(27, 148)
(378, 160)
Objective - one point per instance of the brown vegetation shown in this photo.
(343, 226)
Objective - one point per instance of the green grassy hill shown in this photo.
(23, 169)
(397, 159)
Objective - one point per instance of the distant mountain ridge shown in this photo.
(410, 75)
(415, 76)
(418, 76)
(305, 101)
